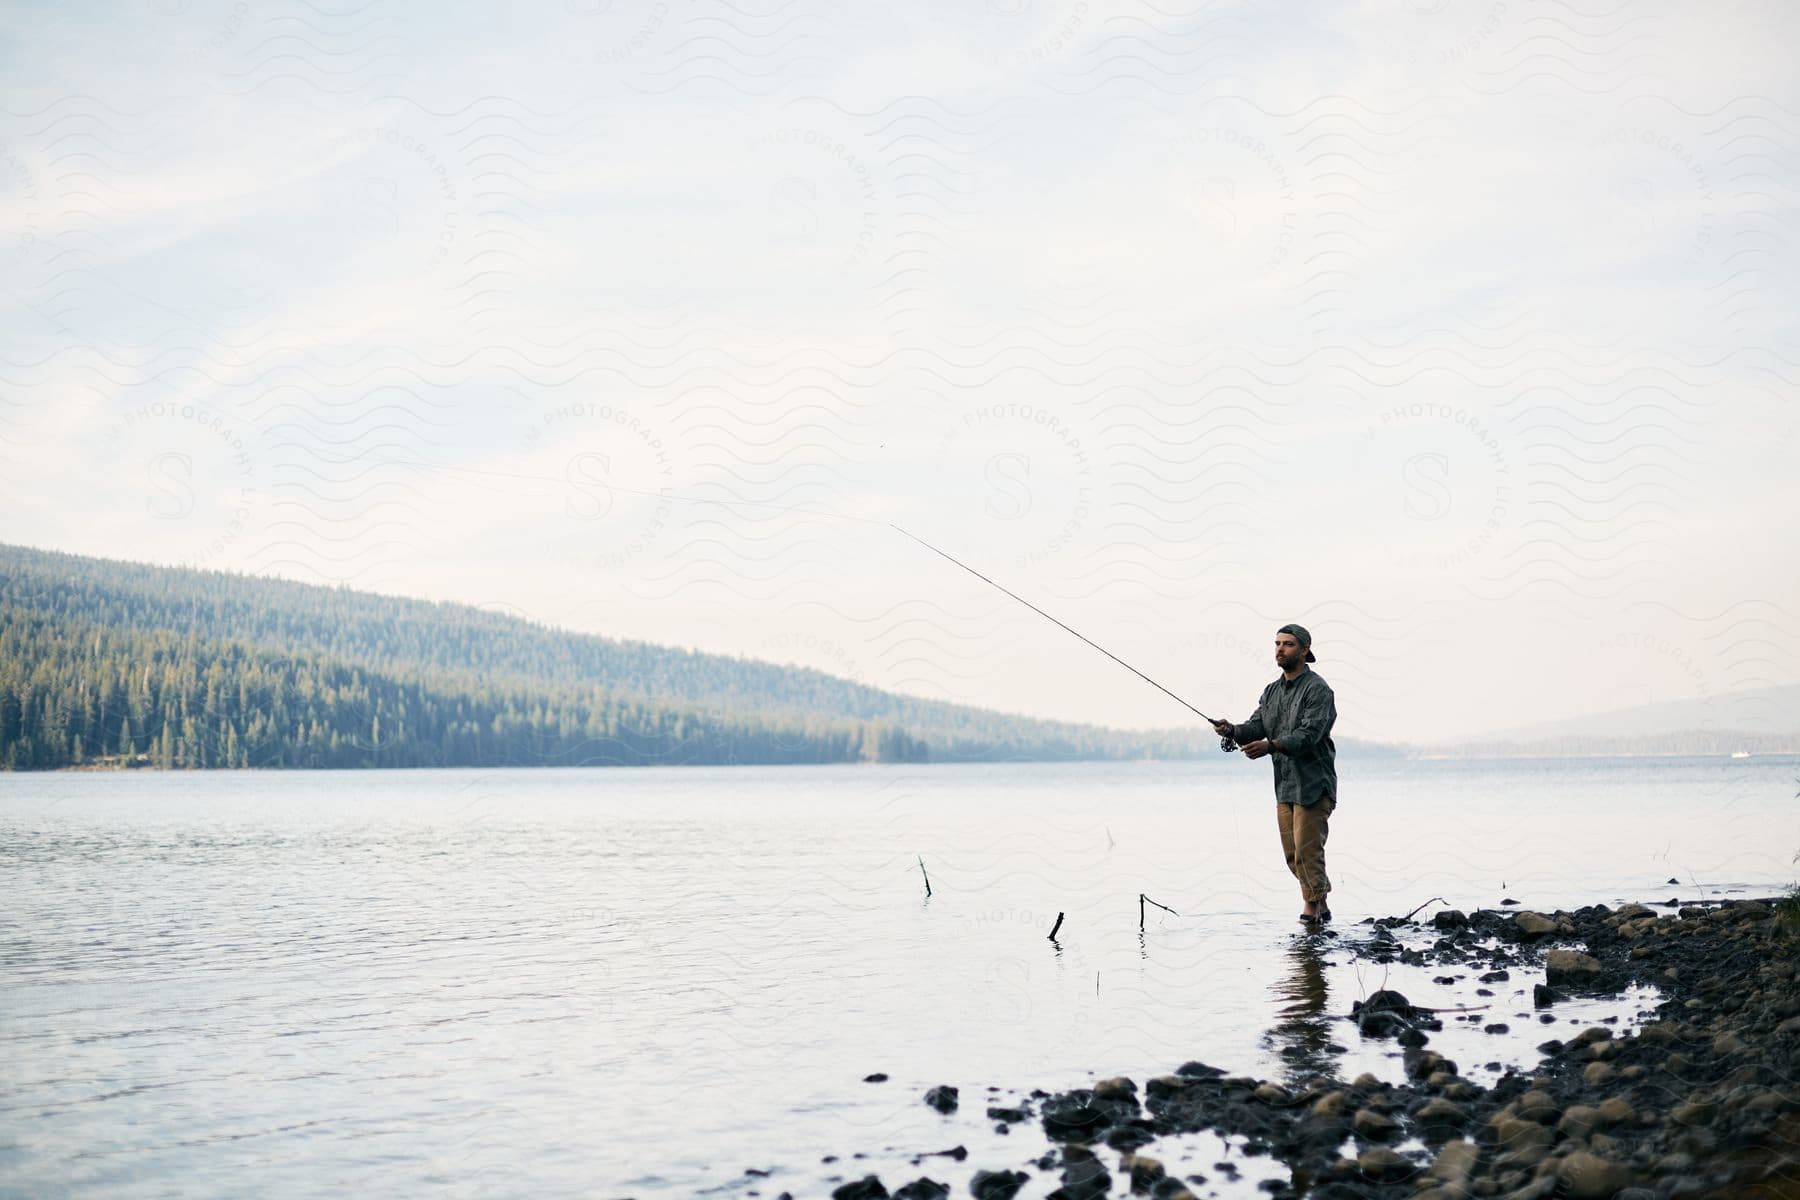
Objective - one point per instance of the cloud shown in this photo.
(1455, 330)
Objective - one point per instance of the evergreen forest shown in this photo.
(106, 663)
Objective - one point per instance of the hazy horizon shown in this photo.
(1457, 332)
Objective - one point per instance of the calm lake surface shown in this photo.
(646, 982)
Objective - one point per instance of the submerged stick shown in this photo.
(1142, 900)
(927, 877)
(1433, 900)
(1056, 926)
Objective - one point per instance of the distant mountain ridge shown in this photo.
(104, 661)
(1756, 721)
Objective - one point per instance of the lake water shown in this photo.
(645, 982)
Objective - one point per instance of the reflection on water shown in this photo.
(1301, 1034)
(219, 983)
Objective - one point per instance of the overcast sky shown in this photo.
(1463, 333)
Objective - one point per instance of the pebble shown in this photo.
(1597, 1074)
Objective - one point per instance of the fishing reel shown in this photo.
(1227, 745)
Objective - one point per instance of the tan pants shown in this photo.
(1303, 833)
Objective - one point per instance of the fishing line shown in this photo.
(1040, 612)
(1224, 743)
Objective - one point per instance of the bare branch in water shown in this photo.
(1434, 900)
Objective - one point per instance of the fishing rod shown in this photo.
(1225, 743)
(1040, 612)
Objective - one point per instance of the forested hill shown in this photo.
(112, 662)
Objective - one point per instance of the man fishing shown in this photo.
(1292, 724)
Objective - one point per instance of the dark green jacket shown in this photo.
(1298, 713)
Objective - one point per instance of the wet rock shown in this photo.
(1116, 1088)
(1377, 1127)
(1165, 1086)
(1597, 1074)
(1008, 1115)
(1073, 1117)
(1384, 1166)
(1454, 1163)
(877, 1077)
(1695, 1113)
(1528, 924)
(1614, 1110)
(942, 1098)
(1572, 968)
(1271, 1093)
(923, 1188)
(867, 1188)
(1543, 996)
(1088, 1181)
(1331, 1105)
(1537, 1105)
(1587, 1176)
(997, 1185)
(1441, 1116)
(1521, 1142)
(1131, 1135)
(1580, 1121)
(1171, 1189)
(1449, 918)
(1145, 1172)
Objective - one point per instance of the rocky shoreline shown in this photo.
(1701, 1103)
